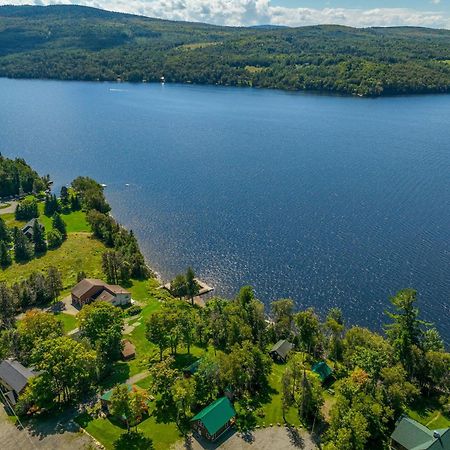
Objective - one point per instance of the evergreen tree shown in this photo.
(64, 196)
(51, 205)
(40, 244)
(192, 287)
(54, 239)
(75, 203)
(59, 225)
(5, 257)
(7, 307)
(54, 283)
(5, 235)
(405, 332)
(23, 250)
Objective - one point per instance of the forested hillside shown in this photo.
(79, 43)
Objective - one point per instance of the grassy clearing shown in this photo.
(107, 431)
(79, 252)
(272, 411)
(427, 411)
(69, 322)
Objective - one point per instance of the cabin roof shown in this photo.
(282, 348)
(414, 436)
(15, 375)
(107, 395)
(128, 349)
(322, 369)
(192, 369)
(216, 415)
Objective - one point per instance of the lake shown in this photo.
(331, 201)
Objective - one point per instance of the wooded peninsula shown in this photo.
(81, 43)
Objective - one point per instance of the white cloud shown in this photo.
(255, 12)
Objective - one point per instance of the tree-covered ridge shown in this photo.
(71, 42)
(17, 177)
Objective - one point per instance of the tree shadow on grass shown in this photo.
(183, 360)
(119, 374)
(133, 440)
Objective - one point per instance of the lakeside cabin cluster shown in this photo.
(218, 417)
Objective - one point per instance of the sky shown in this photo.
(357, 13)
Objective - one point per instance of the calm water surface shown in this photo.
(330, 201)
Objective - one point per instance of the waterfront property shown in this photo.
(280, 350)
(215, 419)
(91, 289)
(411, 435)
(14, 378)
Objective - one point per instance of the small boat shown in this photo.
(163, 80)
(127, 184)
(103, 185)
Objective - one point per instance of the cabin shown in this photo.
(215, 419)
(105, 399)
(128, 351)
(191, 370)
(280, 350)
(14, 378)
(91, 289)
(28, 229)
(322, 369)
(411, 435)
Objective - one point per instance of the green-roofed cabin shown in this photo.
(215, 419)
(192, 369)
(323, 370)
(105, 399)
(411, 435)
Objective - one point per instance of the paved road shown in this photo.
(44, 435)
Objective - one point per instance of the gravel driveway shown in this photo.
(275, 438)
(52, 434)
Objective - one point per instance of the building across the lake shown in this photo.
(280, 351)
(411, 435)
(91, 289)
(215, 419)
(14, 378)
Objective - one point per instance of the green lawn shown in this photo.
(75, 222)
(428, 413)
(69, 322)
(272, 410)
(107, 431)
(79, 252)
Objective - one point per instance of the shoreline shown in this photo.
(309, 92)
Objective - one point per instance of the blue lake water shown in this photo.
(330, 201)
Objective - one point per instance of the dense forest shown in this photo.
(79, 43)
(17, 177)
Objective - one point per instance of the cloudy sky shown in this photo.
(359, 13)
